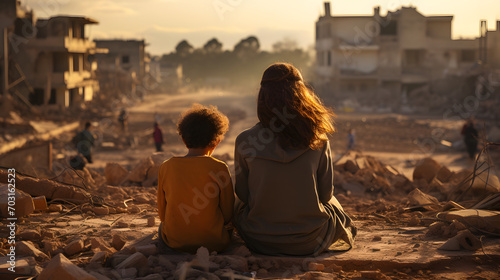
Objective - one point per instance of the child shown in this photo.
(195, 192)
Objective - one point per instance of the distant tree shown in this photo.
(213, 46)
(286, 44)
(184, 48)
(246, 46)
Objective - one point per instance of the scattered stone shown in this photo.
(444, 174)
(164, 262)
(26, 248)
(121, 224)
(463, 240)
(128, 273)
(55, 208)
(136, 260)
(100, 210)
(146, 250)
(115, 174)
(74, 247)
(30, 234)
(40, 203)
(23, 203)
(417, 197)
(118, 242)
(372, 274)
(316, 266)
(426, 169)
(377, 238)
(134, 209)
(52, 247)
(202, 259)
(61, 268)
(151, 221)
(99, 257)
(98, 244)
(351, 167)
(140, 171)
(414, 221)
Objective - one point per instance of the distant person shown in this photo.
(470, 135)
(195, 191)
(350, 139)
(83, 141)
(284, 172)
(122, 119)
(158, 137)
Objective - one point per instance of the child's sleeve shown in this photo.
(325, 175)
(226, 202)
(162, 202)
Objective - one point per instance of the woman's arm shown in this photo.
(162, 202)
(325, 175)
(241, 171)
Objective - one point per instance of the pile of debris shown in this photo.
(78, 220)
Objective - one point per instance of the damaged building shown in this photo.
(48, 58)
(389, 56)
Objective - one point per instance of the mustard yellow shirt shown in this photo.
(195, 202)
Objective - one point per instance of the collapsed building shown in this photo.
(387, 57)
(48, 59)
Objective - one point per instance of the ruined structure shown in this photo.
(127, 55)
(386, 57)
(50, 56)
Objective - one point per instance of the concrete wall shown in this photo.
(129, 55)
(439, 28)
(411, 29)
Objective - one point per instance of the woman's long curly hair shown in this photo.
(291, 110)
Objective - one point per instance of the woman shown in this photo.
(284, 172)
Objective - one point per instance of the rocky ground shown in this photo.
(101, 223)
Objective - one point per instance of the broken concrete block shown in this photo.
(99, 276)
(21, 203)
(127, 273)
(51, 246)
(40, 203)
(164, 262)
(26, 248)
(151, 221)
(486, 220)
(24, 267)
(55, 208)
(121, 224)
(426, 169)
(118, 242)
(444, 174)
(417, 197)
(98, 244)
(99, 257)
(146, 250)
(61, 268)
(463, 240)
(115, 173)
(155, 276)
(136, 260)
(30, 234)
(74, 247)
(134, 209)
(316, 266)
(140, 171)
(201, 261)
(351, 167)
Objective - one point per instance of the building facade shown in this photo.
(385, 57)
(52, 56)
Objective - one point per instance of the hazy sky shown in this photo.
(163, 23)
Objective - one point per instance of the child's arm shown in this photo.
(325, 175)
(226, 201)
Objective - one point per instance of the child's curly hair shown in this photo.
(202, 126)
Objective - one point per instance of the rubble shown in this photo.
(23, 203)
(60, 267)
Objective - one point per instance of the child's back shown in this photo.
(199, 195)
